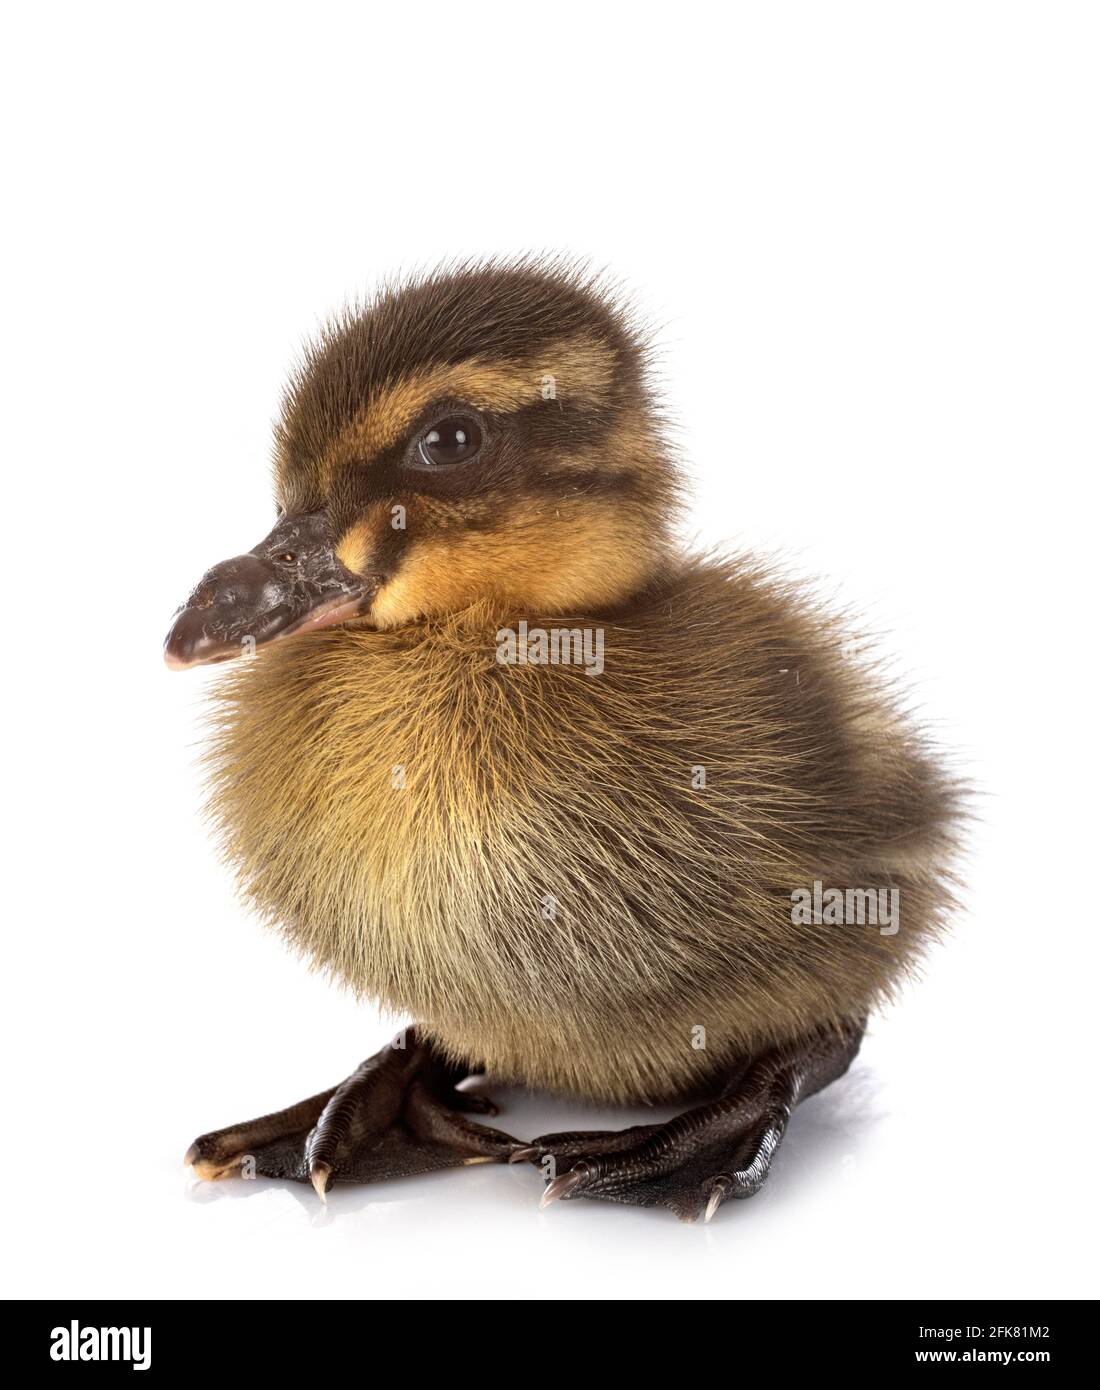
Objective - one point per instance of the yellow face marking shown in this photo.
(355, 544)
(601, 554)
(576, 369)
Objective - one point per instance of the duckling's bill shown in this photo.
(292, 582)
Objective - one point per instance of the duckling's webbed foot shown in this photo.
(716, 1151)
(396, 1115)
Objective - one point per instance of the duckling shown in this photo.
(603, 815)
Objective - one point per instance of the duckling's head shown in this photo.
(484, 433)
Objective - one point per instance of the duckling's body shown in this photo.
(581, 866)
(523, 858)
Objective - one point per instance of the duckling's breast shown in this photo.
(582, 881)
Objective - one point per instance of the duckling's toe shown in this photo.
(397, 1114)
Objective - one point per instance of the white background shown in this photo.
(868, 236)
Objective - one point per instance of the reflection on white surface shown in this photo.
(483, 1223)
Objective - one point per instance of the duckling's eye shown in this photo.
(454, 440)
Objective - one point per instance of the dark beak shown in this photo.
(292, 582)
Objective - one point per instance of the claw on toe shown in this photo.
(720, 1189)
(562, 1186)
(319, 1174)
(523, 1153)
(210, 1169)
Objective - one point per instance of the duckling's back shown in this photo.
(607, 862)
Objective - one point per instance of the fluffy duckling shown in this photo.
(603, 816)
